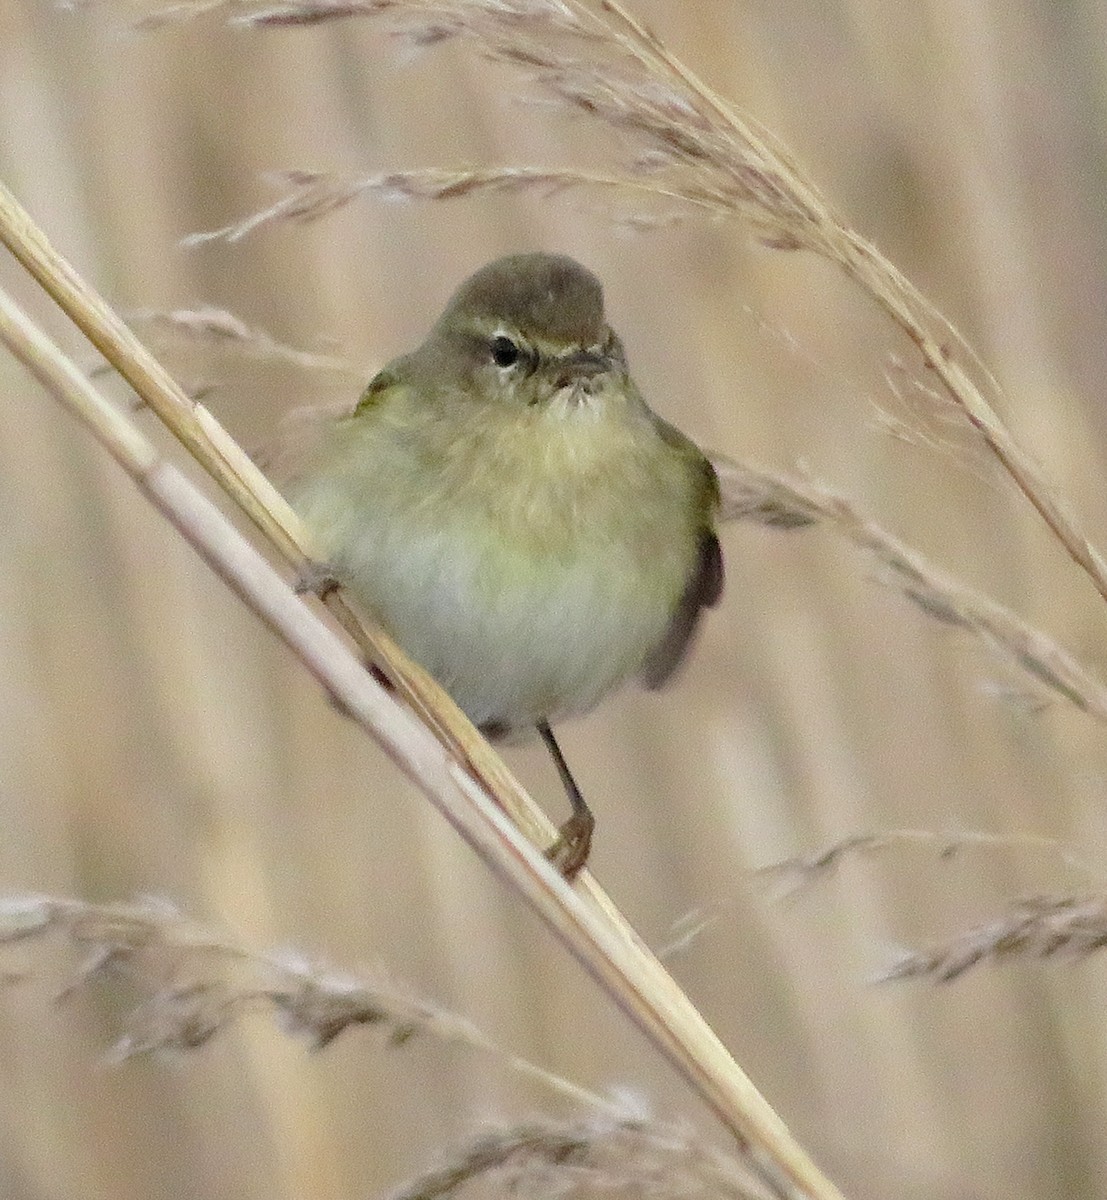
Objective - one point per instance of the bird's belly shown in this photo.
(516, 629)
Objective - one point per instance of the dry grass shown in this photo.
(786, 879)
(817, 707)
(194, 983)
(1066, 927)
(222, 331)
(780, 502)
(627, 1157)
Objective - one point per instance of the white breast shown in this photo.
(512, 635)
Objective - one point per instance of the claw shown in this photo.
(569, 852)
(316, 578)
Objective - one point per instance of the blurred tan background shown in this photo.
(154, 739)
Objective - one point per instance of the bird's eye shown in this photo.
(505, 352)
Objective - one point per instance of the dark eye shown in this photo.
(504, 351)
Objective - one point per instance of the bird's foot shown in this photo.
(569, 852)
(317, 579)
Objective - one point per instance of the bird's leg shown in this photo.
(574, 839)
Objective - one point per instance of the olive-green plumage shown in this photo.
(506, 504)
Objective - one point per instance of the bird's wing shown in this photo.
(703, 589)
(705, 581)
(378, 387)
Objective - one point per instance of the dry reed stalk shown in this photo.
(585, 920)
(779, 501)
(1038, 927)
(238, 475)
(618, 1157)
(600, 61)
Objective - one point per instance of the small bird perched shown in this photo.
(507, 506)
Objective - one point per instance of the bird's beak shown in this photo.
(581, 368)
(587, 363)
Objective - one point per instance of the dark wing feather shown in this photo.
(705, 582)
(385, 378)
(704, 587)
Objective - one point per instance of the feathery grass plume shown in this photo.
(918, 414)
(790, 876)
(194, 982)
(601, 1157)
(782, 502)
(222, 330)
(598, 60)
(1072, 927)
(587, 61)
(311, 195)
(798, 872)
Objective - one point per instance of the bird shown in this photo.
(506, 505)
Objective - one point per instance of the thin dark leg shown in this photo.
(570, 784)
(574, 838)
